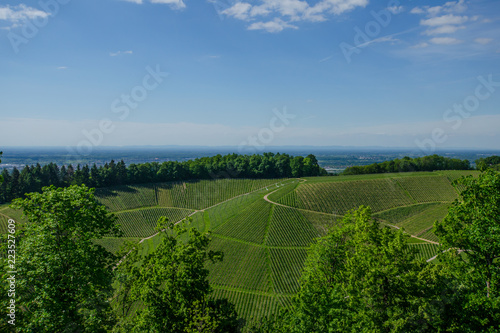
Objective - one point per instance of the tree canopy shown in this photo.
(63, 280)
(470, 235)
(407, 164)
(171, 284)
(491, 162)
(361, 277)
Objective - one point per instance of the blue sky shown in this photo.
(274, 72)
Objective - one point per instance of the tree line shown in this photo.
(408, 164)
(268, 165)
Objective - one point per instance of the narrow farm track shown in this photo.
(412, 236)
(202, 210)
(435, 257)
(307, 210)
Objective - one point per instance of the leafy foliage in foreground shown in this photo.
(63, 279)
(172, 286)
(471, 235)
(363, 278)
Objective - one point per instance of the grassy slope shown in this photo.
(265, 245)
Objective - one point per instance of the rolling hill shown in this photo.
(265, 226)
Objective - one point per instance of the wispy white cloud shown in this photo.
(420, 45)
(483, 41)
(13, 16)
(444, 29)
(445, 41)
(395, 9)
(446, 24)
(240, 11)
(385, 39)
(448, 19)
(114, 54)
(443, 19)
(175, 4)
(62, 68)
(281, 14)
(276, 25)
(417, 10)
(450, 7)
(208, 57)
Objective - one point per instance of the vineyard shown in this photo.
(244, 266)
(127, 197)
(206, 193)
(142, 222)
(192, 195)
(428, 189)
(400, 214)
(424, 221)
(286, 266)
(250, 305)
(340, 197)
(265, 243)
(426, 250)
(14, 214)
(113, 244)
(289, 227)
(249, 225)
(218, 215)
(454, 175)
(3, 223)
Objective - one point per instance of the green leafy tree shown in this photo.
(491, 162)
(470, 236)
(171, 284)
(63, 280)
(1, 178)
(364, 278)
(5, 186)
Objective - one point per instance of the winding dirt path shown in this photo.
(202, 210)
(266, 197)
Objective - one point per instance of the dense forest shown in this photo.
(268, 165)
(407, 164)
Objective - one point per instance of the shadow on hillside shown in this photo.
(241, 324)
(115, 191)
